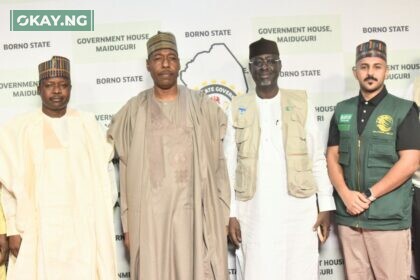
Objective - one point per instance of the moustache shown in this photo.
(370, 78)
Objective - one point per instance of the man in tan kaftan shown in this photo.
(56, 189)
(174, 185)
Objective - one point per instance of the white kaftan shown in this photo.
(57, 196)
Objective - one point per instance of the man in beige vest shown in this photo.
(173, 179)
(277, 166)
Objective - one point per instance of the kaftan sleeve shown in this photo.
(8, 177)
(231, 160)
(2, 221)
(109, 154)
(123, 196)
(316, 150)
(119, 135)
(222, 174)
(8, 202)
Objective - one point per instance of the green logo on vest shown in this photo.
(345, 118)
(384, 124)
(343, 127)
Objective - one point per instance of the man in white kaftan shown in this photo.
(275, 233)
(56, 189)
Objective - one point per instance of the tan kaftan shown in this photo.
(174, 186)
(57, 197)
(170, 213)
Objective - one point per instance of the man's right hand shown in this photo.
(127, 241)
(235, 232)
(355, 202)
(14, 244)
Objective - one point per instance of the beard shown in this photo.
(368, 89)
(365, 87)
(265, 78)
(266, 83)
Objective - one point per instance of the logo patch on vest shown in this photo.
(384, 124)
(345, 118)
(242, 110)
(344, 122)
(289, 108)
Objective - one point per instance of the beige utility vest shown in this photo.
(300, 181)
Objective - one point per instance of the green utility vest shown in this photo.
(300, 181)
(367, 158)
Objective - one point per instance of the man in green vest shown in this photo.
(373, 151)
(278, 173)
(416, 199)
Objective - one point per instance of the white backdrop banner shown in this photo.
(106, 43)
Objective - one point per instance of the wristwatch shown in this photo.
(369, 195)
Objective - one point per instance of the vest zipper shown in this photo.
(358, 172)
(358, 164)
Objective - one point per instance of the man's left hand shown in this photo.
(4, 248)
(323, 221)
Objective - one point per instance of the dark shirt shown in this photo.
(408, 133)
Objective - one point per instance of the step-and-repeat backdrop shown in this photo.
(106, 43)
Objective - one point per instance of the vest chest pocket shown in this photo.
(247, 142)
(241, 134)
(301, 182)
(244, 171)
(246, 137)
(381, 154)
(344, 160)
(296, 139)
(344, 152)
(381, 157)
